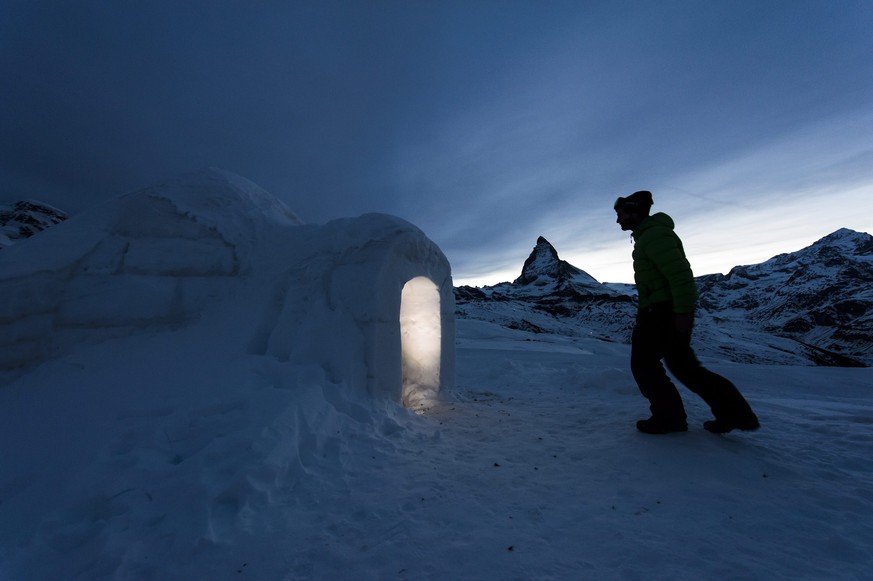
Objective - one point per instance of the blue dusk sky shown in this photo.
(484, 123)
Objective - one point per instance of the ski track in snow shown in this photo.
(529, 469)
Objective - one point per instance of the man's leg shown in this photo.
(648, 344)
(730, 408)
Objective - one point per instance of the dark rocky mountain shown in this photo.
(813, 306)
(544, 266)
(23, 219)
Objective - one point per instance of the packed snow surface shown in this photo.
(235, 435)
(177, 456)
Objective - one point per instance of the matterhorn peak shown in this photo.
(544, 262)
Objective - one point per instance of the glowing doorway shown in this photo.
(420, 340)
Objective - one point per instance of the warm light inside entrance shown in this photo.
(420, 337)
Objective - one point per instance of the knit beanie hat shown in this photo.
(636, 203)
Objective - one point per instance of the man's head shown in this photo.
(632, 210)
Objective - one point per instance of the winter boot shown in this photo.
(655, 425)
(747, 423)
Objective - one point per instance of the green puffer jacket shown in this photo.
(661, 270)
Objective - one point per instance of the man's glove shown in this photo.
(683, 322)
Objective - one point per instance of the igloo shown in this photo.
(368, 300)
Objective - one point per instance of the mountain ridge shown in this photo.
(815, 304)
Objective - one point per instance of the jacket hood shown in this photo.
(656, 220)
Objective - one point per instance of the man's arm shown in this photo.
(668, 256)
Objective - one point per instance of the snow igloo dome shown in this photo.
(368, 300)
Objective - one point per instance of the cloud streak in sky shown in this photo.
(487, 124)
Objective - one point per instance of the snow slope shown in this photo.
(190, 451)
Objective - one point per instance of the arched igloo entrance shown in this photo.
(420, 340)
(394, 285)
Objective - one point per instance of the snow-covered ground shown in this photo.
(164, 456)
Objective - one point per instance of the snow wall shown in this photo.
(215, 250)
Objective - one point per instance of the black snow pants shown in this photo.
(655, 338)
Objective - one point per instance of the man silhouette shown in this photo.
(665, 319)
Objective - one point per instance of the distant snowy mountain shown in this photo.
(543, 267)
(24, 219)
(821, 296)
(811, 306)
(551, 296)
